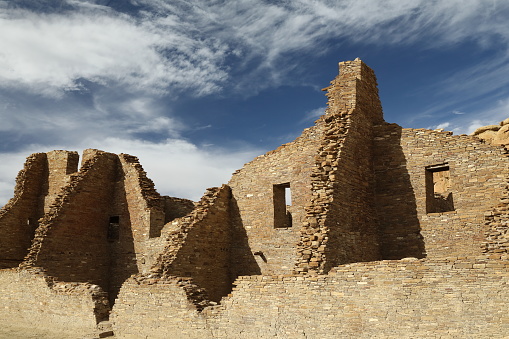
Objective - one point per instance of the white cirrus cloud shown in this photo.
(50, 53)
(177, 167)
(170, 46)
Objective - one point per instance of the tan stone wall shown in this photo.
(497, 227)
(362, 190)
(61, 164)
(340, 224)
(253, 205)
(478, 178)
(71, 241)
(383, 299)
(66, 310)
(37, 185)
(18, 218)
(198, 245)
(156, 309)
(176, 208)
(140, 211)
(76, 210)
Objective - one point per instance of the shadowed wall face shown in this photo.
(37, 186)
(433, 190)
(396, 207)
(73, 239)
(340, 224)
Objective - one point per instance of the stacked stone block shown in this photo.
(19, 217)
(32, 300)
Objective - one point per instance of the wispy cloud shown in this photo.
(178, 167)
(175, 45)
(49, 54)
(313, 115)
(461, 123)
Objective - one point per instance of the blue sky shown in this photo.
(197, 88)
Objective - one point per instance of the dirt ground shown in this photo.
(14, 332)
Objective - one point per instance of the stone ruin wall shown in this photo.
(198, 245)
(341, 226)
(331, 186)
(449, 297)
(18, 215)
(68, 310)
(67, 234)
(43, 175)
(70, 242)
(363, 299)
(497, 228)
(61, 164)
(360, 192)
(478, 177)
(254, 200)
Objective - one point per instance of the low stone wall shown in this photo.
(447, 298)
(156, 309)
(67, 310)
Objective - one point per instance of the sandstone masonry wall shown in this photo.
(198, 245)
(341, 225)
(248, 262)
(18, 218)
(69, 310)
(157, 309)
(449, 298)
(61, 164)
(133, 206)
(496, 223)
(254, 205)
(478, 179)
(176, 208)
(71, 241)
(140, 213)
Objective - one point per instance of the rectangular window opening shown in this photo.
(282, 199)
(439, 196)
(32, 224)
(113, 228)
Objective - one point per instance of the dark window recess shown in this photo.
(32, 224)
(282, 203)
(438, 189)
(113, 228)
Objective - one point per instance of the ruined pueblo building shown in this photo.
(389, 233)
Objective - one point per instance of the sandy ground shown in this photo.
(13, 332)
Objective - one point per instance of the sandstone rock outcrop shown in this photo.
(494, 134)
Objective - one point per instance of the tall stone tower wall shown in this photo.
(341, 225)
